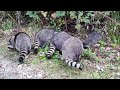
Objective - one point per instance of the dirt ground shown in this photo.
(34, 68)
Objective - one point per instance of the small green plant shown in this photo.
(88, 53)
(44, 51)
(33, 14)
(55, 55)
(35, 62)
(102, 49)
(102, 43)
(115, 40)
(118, 58)
(7, 25)
(60, 13)
(43, 57)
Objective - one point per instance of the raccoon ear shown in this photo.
(13, 37)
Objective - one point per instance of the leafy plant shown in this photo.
(45, 50)
(115, 39)
(102, 43)
(43, 57)
(88, 53)
(118, 58)
(7, 25)
(33, 14)
(115, 15)
(41, 53)
(60, 13)
(55, 55)
(102, 49)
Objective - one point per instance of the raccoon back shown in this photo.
(59, 39)
(72, 48)
(22, 40)
(44, 35)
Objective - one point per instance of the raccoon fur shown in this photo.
(71, 52)
(57, 42)
(70, 47)
(20, 42)
(92, 39)
(42, 38)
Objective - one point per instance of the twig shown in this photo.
(11, 17)
(65, 22)
(109, 18)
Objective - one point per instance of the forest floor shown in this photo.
(108, 66)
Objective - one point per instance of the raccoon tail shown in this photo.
(23, 54)
(72, 63)
(51, 51)
(36, 46)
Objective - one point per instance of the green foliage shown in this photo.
(96, 75)
(33, 14)
(88, 53)
(42, 55)
(118, 58)
(77, 26)
(102, 49)
(115, 15)
(44, 51)
(73, 14)
(7, 25)
(55, 55)
(60, 19)
(102, 43)
(114, 33)
(60, 13)
(115, 39)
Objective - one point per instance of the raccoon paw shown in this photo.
(21, 60)
(61, 58)
(48, 57)
(35, 51)
(81, 66)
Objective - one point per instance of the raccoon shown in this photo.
(20, 42)
(71, 52)
(42, 38)
(92, 39)
(57, 43)
(70, 48)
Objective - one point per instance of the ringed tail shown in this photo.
(71, 63)
(36, 46)
(50, 52)
(22, 56)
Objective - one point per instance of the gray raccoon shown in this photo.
(71, 52)
(42, 38)
(92, 39)
(57, 43)
(70, 47)
(22, 43)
